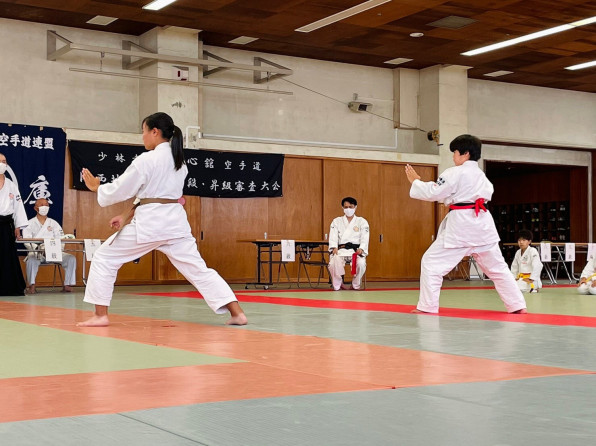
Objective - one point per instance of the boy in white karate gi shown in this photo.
(468, 230)
(348, 234)
(41, 226)
(526, 266)
(587, 282)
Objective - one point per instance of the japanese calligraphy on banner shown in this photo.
(36, 156)
(210, 173)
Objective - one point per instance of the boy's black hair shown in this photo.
(525, 234)
(467, 144)
(350, 200)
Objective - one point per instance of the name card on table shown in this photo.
(591, 250)
(570, 252)
(288, 251)
(53, 249)
(91, 245)
(545, 252)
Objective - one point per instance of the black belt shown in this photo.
(353, 246)
(467, 204)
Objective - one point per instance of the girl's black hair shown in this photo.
(467, 144)
(169, 131)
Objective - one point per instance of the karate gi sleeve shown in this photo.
(536, 265)
(19, 216)
(589, 268)
(333, 235)
(435, 190)
(122, 188)
(364, 236)
(515, 266)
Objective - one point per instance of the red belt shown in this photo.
(479, 204)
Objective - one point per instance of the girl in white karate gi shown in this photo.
(156, 178)
(12, 219)
(348, 234)
(468, 230)
(526, 266)
(587, 282)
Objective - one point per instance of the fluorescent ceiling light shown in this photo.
(582, 65)
(536, 35)
(243, 40)
(341, 15)
(101, 20)
(498, 73)
(398, 61)
(158, 4)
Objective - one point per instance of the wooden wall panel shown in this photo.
(361, 180)
(297, 215)
(408, 224)
(224, 221)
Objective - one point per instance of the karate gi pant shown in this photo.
(587, 288)
(69, 263)
(526, 287)
(183, 254)
(337, 265)
(437, 261)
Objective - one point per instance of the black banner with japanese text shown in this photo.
(36, 157)
(210, 173)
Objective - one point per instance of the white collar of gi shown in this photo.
(162, 146)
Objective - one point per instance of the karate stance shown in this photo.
(587, 282)
(156, 178)
(468, 230)
(526, 266)
(12, 219)
(41, 226)
(348, 241)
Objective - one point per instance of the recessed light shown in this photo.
(416, 34)
(341, 15)
(582, 65)
(398, 61)
(243, 40)
(158, 4)
(498, 73)
(101, 20)
(536, 35)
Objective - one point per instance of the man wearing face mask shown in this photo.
(12, 219)
(41, 226)
(348, 236)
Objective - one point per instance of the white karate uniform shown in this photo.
(461, 234)
(50, 229)
(527, 263)
(589, 269)
(163, 227)
(341, 231)
(11, 203)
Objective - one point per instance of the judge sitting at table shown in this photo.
(348, 243)
(41, 226)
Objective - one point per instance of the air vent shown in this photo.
(452, 22)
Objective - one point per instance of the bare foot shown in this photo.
(239, 319)
(522, 311)
(96, 321)
(417, 311)
(67, 289)
(31, 289)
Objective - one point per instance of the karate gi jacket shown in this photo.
(11, 203)
(356, 231)
(461, 228)
(589, 269)
(50, 229)
(527, 263)
(151, 175)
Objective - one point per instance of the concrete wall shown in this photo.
(531, 115)
(40, 92)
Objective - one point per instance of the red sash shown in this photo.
(477, 206)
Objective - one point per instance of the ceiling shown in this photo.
(369, 38)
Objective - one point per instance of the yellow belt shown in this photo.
(524, 275)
